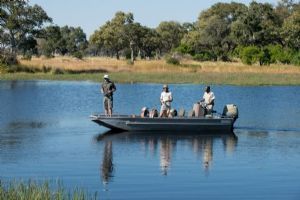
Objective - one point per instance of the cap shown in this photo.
(165, 86)
(106, 76)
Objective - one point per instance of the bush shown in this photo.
(8, 59)
(205, 56)
(78, 55)
(185, 49)
(278, 54)
(265, 57)
(296, 59)
(250, 55)
(173, 61)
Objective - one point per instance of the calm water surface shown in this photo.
(45, 134)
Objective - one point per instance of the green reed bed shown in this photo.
(241, 78)
(41, 191)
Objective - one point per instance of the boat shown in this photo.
(213, 122)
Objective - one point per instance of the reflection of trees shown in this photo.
(107, 163)
(165, 155)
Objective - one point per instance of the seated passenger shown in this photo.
(208, 100)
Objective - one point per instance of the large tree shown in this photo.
(170, 33)
(259, 26)
(111, 37)
(212, 33)
(20, 22)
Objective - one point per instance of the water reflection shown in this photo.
(200, 145)
(107, 166)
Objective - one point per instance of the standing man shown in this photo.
(107, 89)
(208, 100)
(165, 100)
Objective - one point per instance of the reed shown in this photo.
(35, 191)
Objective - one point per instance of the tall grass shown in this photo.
(104, 64)
(166, 77)
(35, 191)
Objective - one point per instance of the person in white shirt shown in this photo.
(208, 100)
(165, 100)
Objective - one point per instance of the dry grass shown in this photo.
(103, 64)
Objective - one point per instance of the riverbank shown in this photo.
(195, 78)
(155, 71)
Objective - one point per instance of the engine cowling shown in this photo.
(231, 110)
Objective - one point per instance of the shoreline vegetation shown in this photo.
(152, 71)
(42, 191)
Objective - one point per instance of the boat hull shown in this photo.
(177, 124)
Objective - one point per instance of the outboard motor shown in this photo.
(144, 112)
(231, 110)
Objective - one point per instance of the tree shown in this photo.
(212, 32)
(20, 21)
(291, 30)
(73, 41)
(111, 37)
(258, 26)
(50, 43)
(170, 34)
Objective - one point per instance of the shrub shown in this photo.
(250, 55)
(296, 59)
(265, 57)
(278, 54)
(173, 61)
(205, 56)
(78, 55)
(8, 59)
(185, 49)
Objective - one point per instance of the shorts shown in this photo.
(107, 103)
(165, 107)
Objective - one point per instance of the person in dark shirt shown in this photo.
(107, 89)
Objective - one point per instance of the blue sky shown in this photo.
(91, 14)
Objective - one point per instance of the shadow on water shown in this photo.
(164, 145)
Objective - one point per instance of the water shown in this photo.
(45, 134)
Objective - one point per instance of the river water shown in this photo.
(46, 134)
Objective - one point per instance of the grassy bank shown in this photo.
(33, 190)
(197, 78)
(156, 71)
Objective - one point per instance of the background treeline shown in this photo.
(254, 33)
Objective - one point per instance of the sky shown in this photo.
(91, 14)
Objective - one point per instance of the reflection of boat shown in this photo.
(162, 146)
(178, 124)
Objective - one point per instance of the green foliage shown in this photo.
(184, 49)
(205, 56)
(41, 191)
(7, 58)
(265, 57)
(20, 22)
(278, 54)
(170, 33)
(172, 60)
(250, 55)
(78, 55)
(296, 59)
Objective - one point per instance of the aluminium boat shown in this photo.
(174, 124)
(192, 123)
